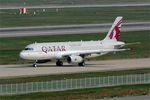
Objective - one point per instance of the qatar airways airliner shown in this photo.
(75, 52)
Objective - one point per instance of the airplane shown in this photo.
(75, 52)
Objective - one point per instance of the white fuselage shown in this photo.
(55, 50)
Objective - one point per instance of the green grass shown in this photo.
(72, 76)
(84, 94)
(12, 18)
(70, 2)
(10, 47)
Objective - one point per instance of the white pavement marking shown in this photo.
(22, 70)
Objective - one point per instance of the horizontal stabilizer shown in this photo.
(132, 43)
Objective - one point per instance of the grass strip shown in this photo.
(63, 16)
(72, 76)
(84, 94)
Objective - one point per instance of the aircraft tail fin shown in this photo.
(115, 30)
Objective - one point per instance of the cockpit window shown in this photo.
(28, 49)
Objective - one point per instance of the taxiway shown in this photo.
(144, 97)
(22, 70)
(76, 6)
(70, 29)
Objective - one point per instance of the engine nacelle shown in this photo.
(74, 59)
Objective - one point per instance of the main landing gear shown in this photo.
(82, 63)
(59, 63)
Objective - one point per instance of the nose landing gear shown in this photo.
(35, 64)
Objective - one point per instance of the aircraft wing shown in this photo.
(88, 52)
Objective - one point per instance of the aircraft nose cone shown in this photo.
(22, 55)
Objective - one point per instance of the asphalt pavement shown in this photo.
(21, 70)
(70, 29)
(76, 6)
(145, 97)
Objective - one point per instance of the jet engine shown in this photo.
(74, 59)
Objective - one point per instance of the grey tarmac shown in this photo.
(76, 6)
(70, 29)
(23, 70)
(145, 97)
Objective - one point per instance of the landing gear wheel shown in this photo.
(81, 64)
(59, 63)
(34, 65)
